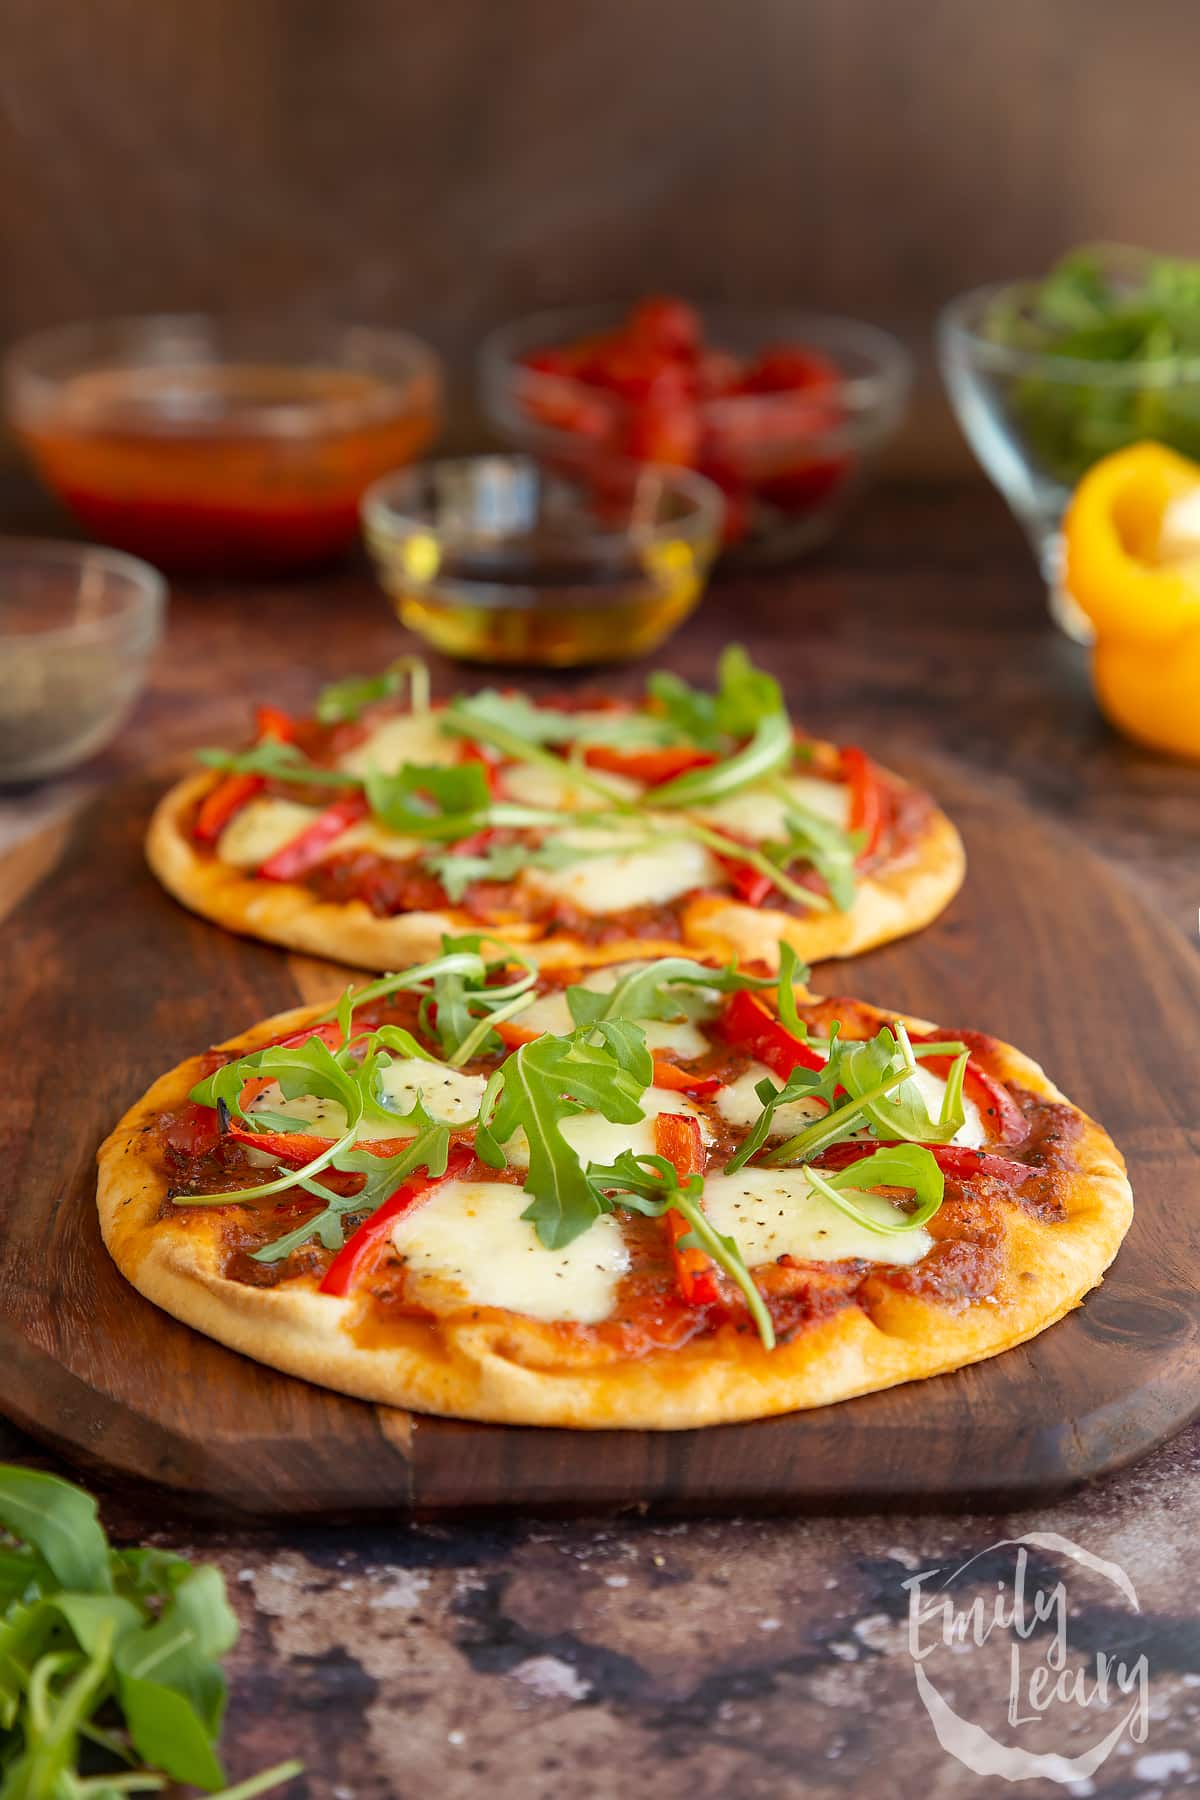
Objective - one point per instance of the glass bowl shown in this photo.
(788, 462)
(219, 447)
(77, 629)
(1037, 421)
(499, 559)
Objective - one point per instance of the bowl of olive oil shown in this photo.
(501, 559)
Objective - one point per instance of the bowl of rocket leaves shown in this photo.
(1049, 375)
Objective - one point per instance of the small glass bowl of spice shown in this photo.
(77, 629)
(499, 559)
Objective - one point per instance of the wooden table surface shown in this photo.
(762, 1658)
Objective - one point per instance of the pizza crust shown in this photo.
(898, 900)
(505, 1368)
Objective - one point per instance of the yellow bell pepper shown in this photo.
(1133, 564)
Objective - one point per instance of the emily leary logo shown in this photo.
(998, 1629)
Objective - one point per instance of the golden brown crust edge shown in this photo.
(892, 904)
(494, 1368)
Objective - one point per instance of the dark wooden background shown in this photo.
(447, 163)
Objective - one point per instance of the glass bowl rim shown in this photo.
(31, 387)
(145, 589)
(380, 514)
(955, 334)
(870, 399)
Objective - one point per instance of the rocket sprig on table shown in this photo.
(110, 1660)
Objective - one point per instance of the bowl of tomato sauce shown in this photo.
(785, 411)
(214, 446)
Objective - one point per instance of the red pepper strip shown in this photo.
(479, 840)
(305, 851)
(952, 1159)
(747, 1024)
(651, 766)
(514, 1035)
(297, 1147)
(750, 885)
(194, 1131)
(329, 1032)
(230, 795)
(272, 722)
(221, 803)
(350, 1260)
(471, 752)
(670, 1075)
(1002, 1116)
(866, 798)
(677, 1137)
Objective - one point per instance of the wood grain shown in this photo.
(446, 166)
(1065, 962)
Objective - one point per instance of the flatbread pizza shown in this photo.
(589, 830)
(656, 1195)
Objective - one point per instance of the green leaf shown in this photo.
(690, 712)
(626, 1044)
(792, 974)
(900, 1111)
(124, 1652)
(458, 870)
(536, 1090)
(97, 1619)
(515, 716)
(167, 1732)
(674, 987)
(343, 701)
(1109, 305)
(908, 1166)
(424, 799)
(62, 1524)
(745, 697)
(819, 841)
(769, 749)
(880, 1094)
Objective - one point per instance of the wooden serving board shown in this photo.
(107, 983)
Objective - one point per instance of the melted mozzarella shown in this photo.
(260, 829)
(740, 1105)
(370, 834)
(471, 1235)
(761, 816)
(408, 738)
(609, 883)
(597, 1139)
(532, 785)
(551, 1014)
(448, 1094)
(775, 1212)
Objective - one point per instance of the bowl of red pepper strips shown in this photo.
(784, 411)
